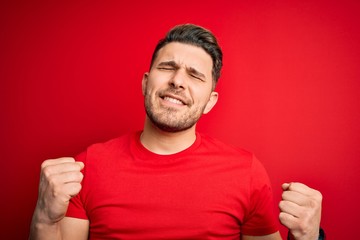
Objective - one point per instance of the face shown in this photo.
(179, 87)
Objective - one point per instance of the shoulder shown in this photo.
(224, 153)
(215, 145)
(113, 144)
(110, 148)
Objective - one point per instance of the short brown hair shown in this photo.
(197, 36)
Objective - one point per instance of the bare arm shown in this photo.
(301, 211)
(59, 181)
(67, 228)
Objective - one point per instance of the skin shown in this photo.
(176, 74)
(60, 180)
(300, 210)
(177, 90)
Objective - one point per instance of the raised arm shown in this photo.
(60, 180)
(301, 211)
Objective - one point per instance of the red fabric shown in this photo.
(209, 190)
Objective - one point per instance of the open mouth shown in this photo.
(173, 100)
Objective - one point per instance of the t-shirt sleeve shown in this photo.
(261, 219)
(76, 207)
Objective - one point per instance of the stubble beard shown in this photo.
(169, 119)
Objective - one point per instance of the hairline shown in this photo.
(156, 54)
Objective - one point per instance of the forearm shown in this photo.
(318, 236)
(41, 229)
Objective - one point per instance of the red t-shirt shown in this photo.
(208, 191)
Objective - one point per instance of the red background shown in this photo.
(71, 76)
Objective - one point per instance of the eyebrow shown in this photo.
(191, 70)
(169, 64)
(196, 73)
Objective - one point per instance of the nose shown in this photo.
(178, 79)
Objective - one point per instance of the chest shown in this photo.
(152, 204)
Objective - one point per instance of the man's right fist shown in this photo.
(60, 180)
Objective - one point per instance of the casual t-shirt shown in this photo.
(208, 191)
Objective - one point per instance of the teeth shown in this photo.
(173, 100)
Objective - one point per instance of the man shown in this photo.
(169, 181)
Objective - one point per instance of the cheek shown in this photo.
(149, 86)
(201, 96)
(155, 82)
(159, 77)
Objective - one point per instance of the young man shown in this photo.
(169, 181)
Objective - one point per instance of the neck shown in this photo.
(165, 143)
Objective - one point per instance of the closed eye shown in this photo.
(197, 77)
(196, 74)
(166, 68)
(168, 65)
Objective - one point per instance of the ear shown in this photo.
(144, 82)
(211, 103)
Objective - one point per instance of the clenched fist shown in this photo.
(301, 211)
(60, 180)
